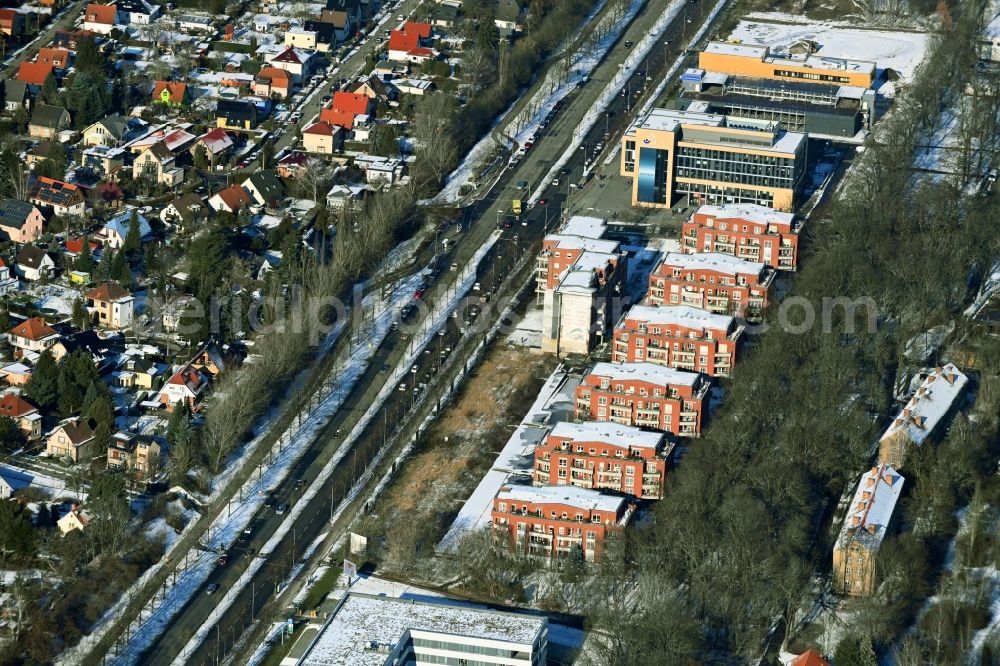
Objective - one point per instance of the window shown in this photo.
(502, 506)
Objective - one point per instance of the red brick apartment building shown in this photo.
(605, 456)
(747, 231)
(561, 250)
(678, 336)
(645, 395)
(554, 521)
(715, 282)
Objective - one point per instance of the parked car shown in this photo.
(212, 588)
(223, 560)
(281, 509)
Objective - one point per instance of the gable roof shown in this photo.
(46, 115)
(78, 430)
(325, 29)
(234, 109)
(216, 140)
(121, 223)
(375, 84)
(809, 658)
(104, 14)
(234, 196)
(33, 329)
(337, 117)
(75, 245)
(400, 40)
(15, 91)
(116, 125)
(14, 406)
(34, 73)
(321, 128)
(59, 58)
(175, 89)
(14, 213)
(56, 192)
(421, 30)
(277, 76)
(188, 377)
(108, 292)
(292, 55)
(266, 184)
(352, 102)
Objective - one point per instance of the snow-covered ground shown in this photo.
(528, 331)
(22, 478)
(52, 297)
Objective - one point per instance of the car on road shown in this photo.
(454, 267)
(521, 184)
(223, 560)
(418, 294)
(212, 588)
(628, 43)
(269, 500)
(326, 98)
(384, 369)
(281, 509)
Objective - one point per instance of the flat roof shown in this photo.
(713, 261)
(585, 243)
(729, 48)
(580, 498)
(761, 52)
(647, 372)
(584, 226)
(578, 281)
(680, 315)
(608, 432)
(871, 509)
(670, 119)
(747, 211)
(363, 621)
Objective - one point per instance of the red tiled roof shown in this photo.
(7, 16)
(288, 55)
(75, 245)
(175, 88)
(352, 102)
(809, 658)
(422, 30)
(34, 73)
(278, 77)
(58, 57)
(337, 117)
(106, 14)
(14, 406)
(234, 196)
(107, 292)
(321, 127)
(403, 41)
(33, 329)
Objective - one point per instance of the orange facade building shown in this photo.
(757, 61)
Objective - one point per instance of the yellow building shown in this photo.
(754, 60)
(712, 159)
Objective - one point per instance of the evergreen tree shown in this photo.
(17, 536)
(102, 413)
(43, 386)
(266, 155)
(50, 89)
(179, 419)
(70, 395)
(90, 397)
(103, 270)
(81, 318)
(84, 261)
(11, 437)
(132, 242)
(120, 271)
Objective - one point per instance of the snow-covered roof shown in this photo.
(584, 226)
(929, 405)
(670, 119)
(679, 315)
(567, 242)
(645, 372)
(609, 433)
(713, 261)
(870, 512)
(364, 623)
(747, 211)
(579, 498)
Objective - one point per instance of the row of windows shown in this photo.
(789, 74)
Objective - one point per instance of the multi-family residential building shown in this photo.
(923, 416)
(868, 520)
(604, 456)
(757, 61)
(556, 521)
(712, 159)
(645, 395)
(678, 336)
(747, 231)
(719, 283)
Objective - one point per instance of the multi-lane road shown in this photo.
(519, 237)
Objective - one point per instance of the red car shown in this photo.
(223, 560)
(419, 293)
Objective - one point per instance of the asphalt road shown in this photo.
(479, 220)
(64, 20)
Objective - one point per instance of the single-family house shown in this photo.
(230, 200)
(264, 188)
(320, 137)
(47, 121)
(326, 34)
(34, 74)
(300, 38)
(407, 45)
(114, 232)
(11, 22)
(58, 58)
(159, 164)
(135, 453)
(15, 374)
(21, 221)
(413, 86)
(171, 93)
(296, 62)
(33, 264)
(290, 165)
(235, 114)
(186, 385)
(32, 335)
(45, 150)
(8, 281)
(76, 519)
(342, 20)
(100, 351)
(444, 16)
(15, 94)
(378, 169)
(136, 372)
(114, 130)
(102, 161)
(345, 107)
(73, 438)
(216, 142)
(108, 195)
(110, 305)
(100, 19)
(345, 196)
(376, 89)
(509, 17)
(136, 12)
(63, 198)
(22, 412)
(187, 209)
(272, 82)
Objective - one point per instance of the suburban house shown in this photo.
(272, 81)
(342, 21)
(136, 12)
(136, 372)
(869, 518)
(185, 209)
(556, 521)
(73, 438)
(76, 519)
(15, 374)
(509, 17)
(216, 143)
(34, 74)
(923, 416)
(102, 161)
(25, 414)
(171, 93)
(235, 114)
(230, 200)
(300, 38)
(345, 196)
(376, 89)
(8, 282)
(296, 62)
(186, 385)
(264, 188)
(110, 305)
(15, 95)
(9, 484)
(32, 335)
(114, 232)
(134, 453)
(58, 58)
(444, 16)
(62, 197)
(100, 19)
(345, 107)
(326, 34)
(11, 22)
(33, 264)
(407, 45)
(158, 163)
(378, 169)
(20, 221)
(47, 121)
(320, 137)
(290, 165)
(113, 131)
(644, 395)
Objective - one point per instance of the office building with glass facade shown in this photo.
(712, 159)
